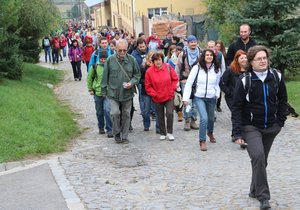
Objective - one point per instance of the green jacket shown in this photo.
(94, 80)
(113, 77)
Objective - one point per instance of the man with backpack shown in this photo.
(46, 45)
(186, 60)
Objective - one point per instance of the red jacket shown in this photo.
(87, 52)
(160, 84)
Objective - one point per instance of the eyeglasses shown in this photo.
(121, 50)
(261, 59)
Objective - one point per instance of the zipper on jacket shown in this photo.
(265, 87)
(206, 84)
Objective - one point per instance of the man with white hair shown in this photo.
(121, 74)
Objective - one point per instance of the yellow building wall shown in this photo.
(102, 14)
(121, 11)
(182, 7)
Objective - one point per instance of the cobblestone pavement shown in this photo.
(151, 174)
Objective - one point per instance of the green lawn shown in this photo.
(32, 121)
(293, 89)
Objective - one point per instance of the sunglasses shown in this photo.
(122, 50)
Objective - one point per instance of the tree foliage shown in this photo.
(274, 23)
(22, 25)
(10, 61)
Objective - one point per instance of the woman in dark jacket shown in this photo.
(75, 59)
(231, 75)
(259, 111)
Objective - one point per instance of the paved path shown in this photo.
(153, 174)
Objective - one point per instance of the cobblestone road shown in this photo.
(153, 174)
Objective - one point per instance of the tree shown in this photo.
(38, 18)
(275, 25)
(10, 61)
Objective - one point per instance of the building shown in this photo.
(134, 15)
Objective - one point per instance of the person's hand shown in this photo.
(240, 141)
(129, 85)
(185, 103)
(183, 81)
(91, 92)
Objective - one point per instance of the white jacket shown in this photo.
(207, 84)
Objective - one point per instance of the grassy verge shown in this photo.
(32, 121)
(293, 89)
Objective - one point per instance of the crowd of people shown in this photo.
(176, 74)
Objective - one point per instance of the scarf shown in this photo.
(193, 55)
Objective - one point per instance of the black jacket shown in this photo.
(238, 45)
(265, 104)
(227, 85)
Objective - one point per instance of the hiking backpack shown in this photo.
(46, 43)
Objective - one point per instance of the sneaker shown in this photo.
(146, 129)
(162, 137)
(170, 137)
(264, 204)
(251, 195)
(157, 131)
(101, 131)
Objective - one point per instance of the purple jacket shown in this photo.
(75, 54)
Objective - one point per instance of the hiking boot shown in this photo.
(264, 204)
(101, 131)
(187, 125)
(203, 146)
(194, 125)
(110, 135)
(180, 116)
(118, 138)
(211, 137)
(125, 141)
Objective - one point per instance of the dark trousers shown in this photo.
(55, 55)
(259, 145)
(160, 112)
(219, 100)
(87, 65)
(76, 66)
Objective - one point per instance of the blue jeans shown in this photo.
(192, 114)
(141, 100)
(206, 109)
(102, 106)
(47, 53)
(64, 49)
(147, 113)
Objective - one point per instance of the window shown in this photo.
(157, 11)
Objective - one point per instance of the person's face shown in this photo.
(142, 47)
(211, 46)
(75, 44)
(112, 46)
(103, 44)
(154, 34)
(102, 60)
(122, 50)
(244, 32)
(260, 61)
(242, 60)
(170, 36)
(192, 45)
(117, 37)
(158, 62)
(173, 51)
(218, 47)
(208, 57)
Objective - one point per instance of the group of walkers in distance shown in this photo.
(176, 74)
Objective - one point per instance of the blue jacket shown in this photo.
(92, 59)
